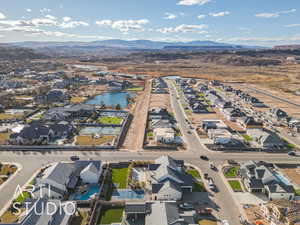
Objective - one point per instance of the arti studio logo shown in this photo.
(41, 208)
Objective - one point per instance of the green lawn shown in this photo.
(119, 177)
(297, 192)
(194, 173)
(150, 134)
(109, 216)
(232, 172)
(247, 137)
(235, 185)
(199, 187)
(135, 89)
(110, 120)
(22, 197)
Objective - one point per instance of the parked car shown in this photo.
(186, 206)
(204, 157)
(212, 166)
(74, 158)
(206, 176)
(225, 222)
(189, 132)
(291, 153)
(204, 211)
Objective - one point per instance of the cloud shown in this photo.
(219, 14)
(184, 28)
(200, 17)
(170, 16)
(44, 10)
(2, 16)
(47, 21)
(67, 19)
(124, 25)
(268, 15)
(292, 25)
(193, 2)
(29, 10)
(50, 17)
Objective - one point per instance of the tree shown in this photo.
(118, 107)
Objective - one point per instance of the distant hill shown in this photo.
(116, 43)
(17, 53)
(287, 47)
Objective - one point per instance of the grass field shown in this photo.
(22, 197)
(90, 141)
(4, 137)
(109, 216)
(232, 172)
(110, 120)
(194, 173)
(76, 100)
(6, 116)
(247, 137)
(199, 187)
(135, 89)
(119, 177)
(235, 185)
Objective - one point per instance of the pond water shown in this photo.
(111, 99)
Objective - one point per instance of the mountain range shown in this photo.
(134, 44)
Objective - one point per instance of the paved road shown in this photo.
(273, 96)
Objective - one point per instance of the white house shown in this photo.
(91, 174)
(164, 135)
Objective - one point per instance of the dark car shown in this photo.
(204, 157)
(74, 158)
(206, 176)
(292, 154)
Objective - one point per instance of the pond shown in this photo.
(111, 99)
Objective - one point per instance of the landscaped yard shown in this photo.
(10, 217)
(6, 116)
(135, 89)
(119, 177)
(231, 172)
(93, 141)
(81, 219)
(199, 187)
(4, 137)
(77, 100)
(297, 192)
(22, 197)
(110, 120)
(235, 185)
(109, 216)
(247, 137)
(194, 173)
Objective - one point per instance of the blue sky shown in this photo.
(255, 22)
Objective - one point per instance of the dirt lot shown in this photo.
(294, 175)
(160, 100)
(254, 214)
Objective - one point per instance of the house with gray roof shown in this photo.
(258, 177)
(37, 214)
(266, 139)
(169, 180)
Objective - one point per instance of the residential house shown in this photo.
(157, 213)
(249, 122)
(282, 212)
(259, 177)
(278, 114)
(55, 96)
(44, 211)
(34, 133)
(164, 135)
(91, 173)
(168, 179)
(232, 114)
(199, 108)
(266, 139)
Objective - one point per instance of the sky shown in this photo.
(252, 22)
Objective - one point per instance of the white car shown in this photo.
(225, 222)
